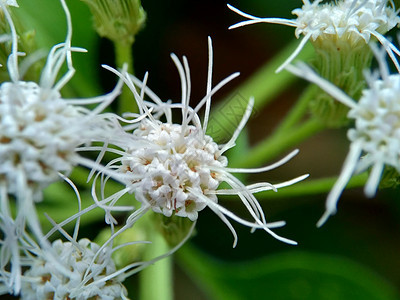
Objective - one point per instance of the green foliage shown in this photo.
(289, 275)
(52, 30)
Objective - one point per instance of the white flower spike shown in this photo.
(39, 136)
(344, 22)
(176, 169)
(376, 132)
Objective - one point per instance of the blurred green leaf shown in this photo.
(47, 18)
(60, 202)
(264, 85)
(289, 275)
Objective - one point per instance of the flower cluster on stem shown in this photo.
(176, 169)
(348, 24)
(40, 133)
(374, 138)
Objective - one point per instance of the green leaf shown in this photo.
(289, 275)
(52, 29)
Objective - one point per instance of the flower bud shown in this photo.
(342, 63)
(117, 20)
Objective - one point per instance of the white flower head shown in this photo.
(40, 133)
(375, 137)
(90, 274)
(351, 22)
(176, 169)
(172, 164)
(39, 130)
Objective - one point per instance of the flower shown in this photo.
(346, 23)
(40, 133)
(81, 269)
(89, 268)
(375, 137)
(176, 169)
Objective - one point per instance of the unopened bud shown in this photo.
(117, 20)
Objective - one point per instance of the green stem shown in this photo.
(156, 280)
(313, 187)
(298, 111)
(277, 143)
(264, 85)
(123, 55)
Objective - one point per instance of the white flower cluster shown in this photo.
(350, 20)
(347, 23)
(172, 167)
(176, 169)
(376, 132)
(39, 130)
(40, 133)
(377, 124)
(86, 274)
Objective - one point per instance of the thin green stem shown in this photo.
(264, 85)
(278, 143)
(156, 280)
(123, 55)
(298, 111)
(313, 187)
